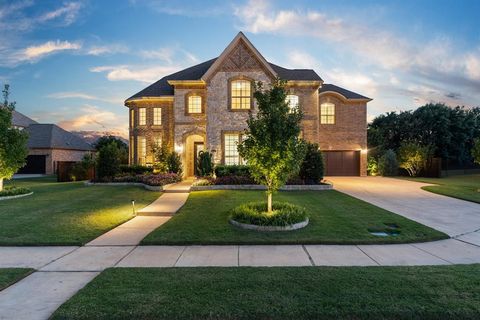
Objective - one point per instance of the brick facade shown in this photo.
(180, 130)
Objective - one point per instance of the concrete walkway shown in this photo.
(453, 216)
(62, 271)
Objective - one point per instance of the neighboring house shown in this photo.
(48, 144)
(205, 107)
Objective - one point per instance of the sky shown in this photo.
(74, 62)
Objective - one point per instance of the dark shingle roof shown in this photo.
(21, 120)
(51, 136)
(344, 92)
(162, 88)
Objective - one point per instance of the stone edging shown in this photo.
(291, 227)
(299, 187)
(146, 186)
(15, 197)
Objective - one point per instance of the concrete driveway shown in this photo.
(452, 216)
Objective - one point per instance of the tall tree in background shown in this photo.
(272, 147)
(122, 147)
(13, 142)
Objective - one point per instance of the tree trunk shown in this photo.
(269, 202)
(1, 184)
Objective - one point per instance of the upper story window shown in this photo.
(327, 113)
(292, 101)
(132, 118)
(157, 116)
(240, 95)
(142, 116)
(194, 104)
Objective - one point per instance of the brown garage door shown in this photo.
(342, 163)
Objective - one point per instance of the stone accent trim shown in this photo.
(290, 227)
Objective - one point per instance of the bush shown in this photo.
(135, 169)
(413, 157)
(388, 164)
(311, 169)
(372, 166)
(14, 191)
(204, 164)
(232, 170)
(174, 163)
(476, 151)
(108, 161)
(233, 179)
(283, 214)
(149, 179)
(80, 170)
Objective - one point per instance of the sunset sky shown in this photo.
(74, 62)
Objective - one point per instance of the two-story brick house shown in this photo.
(205, 107)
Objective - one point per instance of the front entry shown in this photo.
(197, 147)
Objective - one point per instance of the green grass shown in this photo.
(66, 213)
(463, 187)
(436, 292)
(9, 276)
(334, 218)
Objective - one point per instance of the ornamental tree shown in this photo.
(272, 147)
(413, 157)
(13, 142)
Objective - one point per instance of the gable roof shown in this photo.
(239, 38)
(51, 136)
(344, 92)
(21, 120)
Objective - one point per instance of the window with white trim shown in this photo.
(142, 116)
(157, 116)
(194, 104)
(241, 94)
(231, 155)
(327, 113)
(292, 101)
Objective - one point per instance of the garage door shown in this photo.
(342, 163)
(35, 165)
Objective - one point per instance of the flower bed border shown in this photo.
(292, 187)
(290, 227)
(16, 196)
(138, 184)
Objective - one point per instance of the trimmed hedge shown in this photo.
(255, 213)
(135, 169)
(150, 179)
(232, 170)
(14, 191)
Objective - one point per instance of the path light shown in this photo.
(133, 207)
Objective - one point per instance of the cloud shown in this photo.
(144, 74)
(92, 117)
(377, 47)
(35, 52)
(84, 96)
(68, 12)
(106, 50)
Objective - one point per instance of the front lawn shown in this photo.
(9, 276)
(66, 213)
(465, 187)
(334, 218)
(437, 292)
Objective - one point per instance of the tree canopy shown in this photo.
(272, 147)
(13, 142)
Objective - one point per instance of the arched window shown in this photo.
(292, 101)
(327, 113)
(194, 104)
(240, 94)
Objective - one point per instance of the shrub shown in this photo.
(135, 169)
(14, 191)
(174, 163)
(372, 166)
(388, 164)
(283, 214)
(232, 170)
(161, 179)
(413, 157)
(311, 169)
(206, 181)
(476, 151)
(80, 170)
(108, 161)
(233, 179)
(204, 164)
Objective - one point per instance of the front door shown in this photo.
(197, 147)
